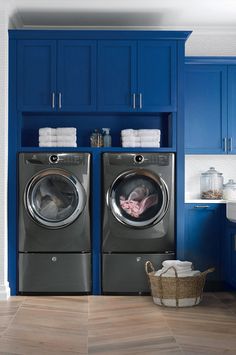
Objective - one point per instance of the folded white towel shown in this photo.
(131, 139)
(149, 132)
(66, 138)
(47, 138)
(150, 145)
(48, 144)
(129, 132)
(47, 131)
(66, 144)
(61, 131)
(130, 145)
(171, 273)
(177, 263)
(143, 140)
(149, 138)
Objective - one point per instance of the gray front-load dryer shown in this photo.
(138, 217)
(54, 222)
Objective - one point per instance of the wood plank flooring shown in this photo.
(116, 325)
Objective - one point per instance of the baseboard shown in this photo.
(5, 292)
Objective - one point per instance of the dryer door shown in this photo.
(54, 198)
(138, 198)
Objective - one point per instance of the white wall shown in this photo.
(197, 164)
(4, 286)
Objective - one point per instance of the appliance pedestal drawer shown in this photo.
(125, 273)
(54, 272)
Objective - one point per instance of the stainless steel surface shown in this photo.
(134, 103)
(225, 144)
(148, 232)
(53, 100)
(230, 144)
(140, 101)
(125, 273)
(60, 100)
(30, 203)
(41, 237)
(47, 273)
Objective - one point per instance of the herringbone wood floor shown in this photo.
(116, 325)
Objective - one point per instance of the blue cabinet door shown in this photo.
(229, 258)
(116, 76)
(202, 238)
(206, 109)
(156, 76)
(232, 109)
(36, 75)
(76, 75)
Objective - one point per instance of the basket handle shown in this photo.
(171, 267)
(212, 269)
(149, 267)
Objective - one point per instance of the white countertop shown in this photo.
(205, 201)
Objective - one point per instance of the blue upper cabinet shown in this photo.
(156, 76)
(206, 109)
(137, 76)
(36, 75)
(56, 75)
(232, 109)
(76, 73)
(117, 74)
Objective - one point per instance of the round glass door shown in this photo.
(54, 198)
(138, 198)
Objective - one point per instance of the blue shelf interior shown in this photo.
(85, 124)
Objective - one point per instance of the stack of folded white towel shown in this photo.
(183, 269)
(57, 137)
(146, 138)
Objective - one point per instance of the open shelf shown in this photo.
(86, 123)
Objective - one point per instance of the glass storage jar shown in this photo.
(229, 190)
(211, 185)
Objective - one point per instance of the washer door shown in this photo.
(54, 198)
(138, 198)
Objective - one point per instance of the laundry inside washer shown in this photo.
(54, 223)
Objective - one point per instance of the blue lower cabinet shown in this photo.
(202, 240)
(229, 258)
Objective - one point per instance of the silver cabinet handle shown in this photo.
(53, 100)
(230, 147)
(60, 100)
(225, 144)
(201, 206)
(140, 101)
(134, 103)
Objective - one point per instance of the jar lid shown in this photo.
(212, 171)
(230, 183)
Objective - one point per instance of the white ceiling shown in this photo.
(184, 14)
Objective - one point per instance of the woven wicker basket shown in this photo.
(176, 289)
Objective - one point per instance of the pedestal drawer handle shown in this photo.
(199, 206)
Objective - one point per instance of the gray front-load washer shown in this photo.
(138, 217)
(54, 222)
